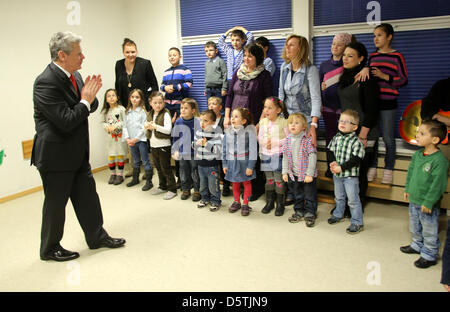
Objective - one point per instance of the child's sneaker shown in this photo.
(354, 228)
(235, 206)
(245, 210)
(202, 204)
(158, 191)
(310, 221)
(196, 197)
(169, 195)
(371, 174)
(296, 217)
(112, 178)
(119, 179)
(422, 263)
(387, 177)
(214, 207)
(408, 250)
(334, 220)
(185, 195)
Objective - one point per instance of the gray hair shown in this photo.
(62, 41)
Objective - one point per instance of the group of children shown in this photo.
(207, 153)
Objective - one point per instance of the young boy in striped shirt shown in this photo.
(347, 153)
(208, 151)
(176, 82)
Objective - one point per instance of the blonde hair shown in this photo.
(303, 51)
(353, 114)
(193, 104)
(216, 98)
(299, 116)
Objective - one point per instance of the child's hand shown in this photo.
(336, 169)
(363, 75)
(308, 179)
(269, 145)
(130, 142)
(168, 89)
(203, 142)
(285, 178)
(425, 210)
(406, 196)
(248, 172)
(225, 170)
(378, 73)
(174, 118)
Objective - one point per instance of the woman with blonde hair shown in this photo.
(299, 86)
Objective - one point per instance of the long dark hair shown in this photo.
(106, 105)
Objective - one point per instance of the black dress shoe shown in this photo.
(408, 250)
(60, 254)
(424, 263)
(109, 242)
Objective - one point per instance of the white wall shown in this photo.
(26, 27)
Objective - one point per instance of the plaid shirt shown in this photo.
(344, 145)
(233, 62)
(305, 149)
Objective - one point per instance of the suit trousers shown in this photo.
(79, 187)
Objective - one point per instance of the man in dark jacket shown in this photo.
(62, 104)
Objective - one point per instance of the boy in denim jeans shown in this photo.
(425, 183)
(347, 152)
(208, 148)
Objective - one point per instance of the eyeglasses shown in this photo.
(346, 122)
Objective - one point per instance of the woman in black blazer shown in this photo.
(134, 72)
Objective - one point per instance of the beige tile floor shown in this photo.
(174, 246)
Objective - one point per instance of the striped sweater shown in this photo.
(394, 65)
(209, 155)
(180, 77)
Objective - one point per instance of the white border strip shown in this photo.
(270, 34)
(423, 23)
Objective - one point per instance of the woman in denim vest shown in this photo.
(299, 86)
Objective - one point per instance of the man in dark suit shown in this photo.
(62, 104)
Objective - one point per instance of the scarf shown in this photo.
(244, 74)
(348, 76)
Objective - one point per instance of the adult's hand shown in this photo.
(91, 87)
(363, 75)
(226, 122)
(312, 133)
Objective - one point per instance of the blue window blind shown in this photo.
(425, 57)
(329, 12)
(194, 58)
(204, 17)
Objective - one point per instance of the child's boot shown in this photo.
(135, 179)
(279, 210)
(148, 182)
(270, 202)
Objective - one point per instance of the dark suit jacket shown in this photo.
(143, 77)
(61, 142)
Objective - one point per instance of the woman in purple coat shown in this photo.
(250, 85)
